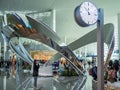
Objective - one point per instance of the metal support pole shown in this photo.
(100, 51)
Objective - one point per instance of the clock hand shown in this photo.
(87, 10)
(88, 13)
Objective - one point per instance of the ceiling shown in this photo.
(66, 27)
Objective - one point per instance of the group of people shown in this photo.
(111, 73)
(12, 63)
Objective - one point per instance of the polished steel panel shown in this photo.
(37, 32)
(40, 32)
(91, 37)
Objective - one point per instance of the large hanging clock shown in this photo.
(86, 14)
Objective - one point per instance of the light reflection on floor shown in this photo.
(11, 82)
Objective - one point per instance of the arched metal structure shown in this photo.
(91, 37)
(44, 34)
(37, 33)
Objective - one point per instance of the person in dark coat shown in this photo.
(35, 72)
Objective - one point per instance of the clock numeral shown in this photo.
(95, 14)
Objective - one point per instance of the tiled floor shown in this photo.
(9, 82)
(53, 83)
(88, 85)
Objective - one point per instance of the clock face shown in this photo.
(88, 12)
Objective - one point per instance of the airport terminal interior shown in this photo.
(59, 45)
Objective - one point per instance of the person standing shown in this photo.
(35, 72)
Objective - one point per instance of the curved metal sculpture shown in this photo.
(20, 50)
(91, 38)
(110, 51)
(37, 32)
(41, 33)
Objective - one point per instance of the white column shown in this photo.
(119, 34)
(5, 20)
(4, 83)
(85, 52)
(54, 20)
(5, 49)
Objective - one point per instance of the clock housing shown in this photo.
(86, 14)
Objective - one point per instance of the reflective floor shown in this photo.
(8, 79)
(61, 83)
(20, 80)
(53, 83)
